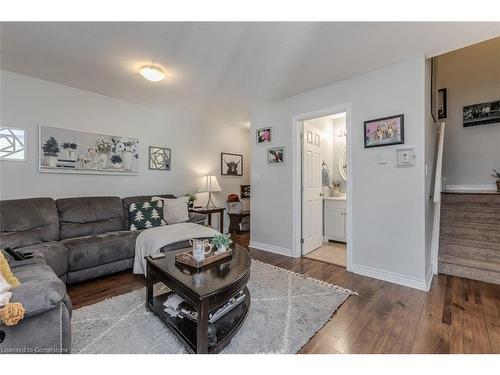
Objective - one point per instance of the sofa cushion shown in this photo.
(54, 253)
(91, 251)
(25, 222)
(88, 216)
(40, 288)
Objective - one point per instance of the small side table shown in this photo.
(235, 220)
(209, 211)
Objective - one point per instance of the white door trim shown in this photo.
(297, 176)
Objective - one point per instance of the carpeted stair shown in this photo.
(470, 236)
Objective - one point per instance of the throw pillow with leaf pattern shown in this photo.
(145, 214)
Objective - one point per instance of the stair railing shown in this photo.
(436, 197)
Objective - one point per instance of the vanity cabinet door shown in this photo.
(334, 223)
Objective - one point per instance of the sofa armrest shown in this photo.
(37, 258)
(38, 296)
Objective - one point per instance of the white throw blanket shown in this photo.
(150, 241)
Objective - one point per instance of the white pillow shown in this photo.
(175, 210)
(5, 298)
(4, 285)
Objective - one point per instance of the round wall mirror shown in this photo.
(343, 164)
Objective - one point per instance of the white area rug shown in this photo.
(286, 310)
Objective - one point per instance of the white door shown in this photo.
(312, 200)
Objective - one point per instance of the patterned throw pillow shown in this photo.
(145, 214)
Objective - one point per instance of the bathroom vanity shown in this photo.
(334, 218)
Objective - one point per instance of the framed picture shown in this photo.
(264, 135)
(384, 131)
(72, 151)
(245, 191)
(160, 158)
(231, 164)
(482, 114)
(276, 156)
(442, 104)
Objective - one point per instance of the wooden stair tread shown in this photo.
(471, 263)
(479, 244)
(467, 252)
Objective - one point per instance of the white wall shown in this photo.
(388, 203)
(471, 75)
(196, 144)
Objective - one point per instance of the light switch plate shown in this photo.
(382, 157)
(405, 157)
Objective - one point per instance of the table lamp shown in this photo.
(209, 184)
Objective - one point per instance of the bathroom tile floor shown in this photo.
(331, 252)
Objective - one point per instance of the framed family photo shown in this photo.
(384, 131)
(481, 114)
(231, 164)
(264, 135)
(276, 156)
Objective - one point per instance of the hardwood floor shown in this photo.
(456, 316)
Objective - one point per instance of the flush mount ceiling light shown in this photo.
(152, 73)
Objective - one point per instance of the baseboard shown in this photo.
(392, 277)
(468, 187)
(428, 279)
(271, 248)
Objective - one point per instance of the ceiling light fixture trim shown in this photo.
(152, 73)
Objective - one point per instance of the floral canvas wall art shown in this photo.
(74, 151)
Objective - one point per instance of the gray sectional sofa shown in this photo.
(70, 240)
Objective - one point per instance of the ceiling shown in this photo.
(220, 67)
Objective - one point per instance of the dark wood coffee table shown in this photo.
(206, 290)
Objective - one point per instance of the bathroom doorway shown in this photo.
(324, 188)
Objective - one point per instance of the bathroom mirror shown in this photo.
(343, 164)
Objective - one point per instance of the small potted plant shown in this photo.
(221, 242)
(117, 161)
(50, 151)
(192, 197)
(496, 174)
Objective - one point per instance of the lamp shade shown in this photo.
(209, 184)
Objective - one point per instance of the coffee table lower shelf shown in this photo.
(186, 330)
